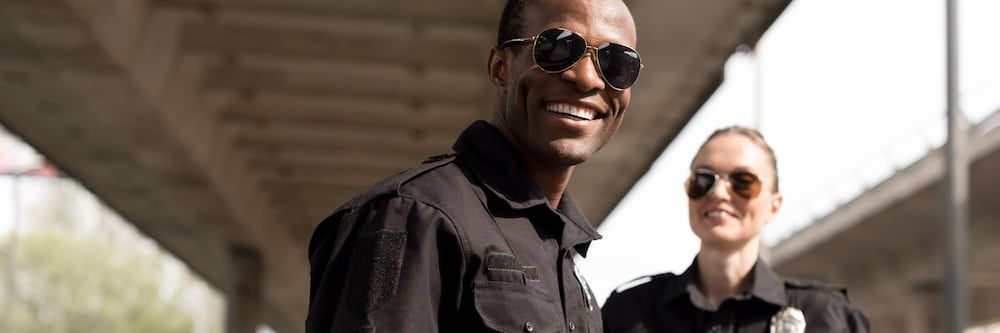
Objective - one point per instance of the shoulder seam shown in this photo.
(459, 232)
(437, 162)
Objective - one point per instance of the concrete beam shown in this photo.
(244, 301)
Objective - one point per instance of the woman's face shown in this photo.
(722, 218)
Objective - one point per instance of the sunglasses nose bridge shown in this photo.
(586, 79)
(718, 185)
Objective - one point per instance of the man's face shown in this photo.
(536, 103)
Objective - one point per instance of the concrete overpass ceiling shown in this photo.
(216, 123)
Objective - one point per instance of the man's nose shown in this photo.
(584, 74)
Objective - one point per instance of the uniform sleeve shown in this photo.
(832, 311)
(857, 321)
(392, 265)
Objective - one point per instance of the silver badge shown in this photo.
(788, 320)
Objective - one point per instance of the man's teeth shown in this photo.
(582, 113)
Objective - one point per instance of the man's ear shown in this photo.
(497, 67)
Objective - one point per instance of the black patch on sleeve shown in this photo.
(500, 261)
(379, 262)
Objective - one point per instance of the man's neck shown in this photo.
(551, 181)
(724, 273)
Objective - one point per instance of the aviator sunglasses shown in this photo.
(744, 184)
(556, 50)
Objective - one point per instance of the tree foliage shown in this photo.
(70, 275)
(71, 284)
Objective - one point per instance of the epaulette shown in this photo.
(640, 281)
(836, 291)
(391, 185)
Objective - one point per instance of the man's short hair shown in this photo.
(511, 21)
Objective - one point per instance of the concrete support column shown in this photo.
(244, 299)
(917, 319)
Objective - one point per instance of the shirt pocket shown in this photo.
(509, 307)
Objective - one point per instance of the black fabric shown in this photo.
(381, 274)
(502, 261)
(673, 303)
(482, 250)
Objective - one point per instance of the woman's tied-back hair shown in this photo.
(511, 21)
(754, 137)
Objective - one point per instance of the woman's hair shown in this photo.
(754, 137)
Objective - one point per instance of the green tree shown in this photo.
(92, 274)
(71, 284)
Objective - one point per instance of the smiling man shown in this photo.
(484, 238)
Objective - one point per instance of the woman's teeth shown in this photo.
(715, 213)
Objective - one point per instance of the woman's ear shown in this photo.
(776, 203)
(497, 67)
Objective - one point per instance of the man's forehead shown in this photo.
(607, 20)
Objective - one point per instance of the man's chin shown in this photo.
(570, 154)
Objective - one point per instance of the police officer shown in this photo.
(733, 192)
(483, 239)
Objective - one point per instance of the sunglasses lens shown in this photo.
(619, 64)
(745, 184)
(557, 49)
(699, 184)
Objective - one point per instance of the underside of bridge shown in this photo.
(227, 129)
(886, 245)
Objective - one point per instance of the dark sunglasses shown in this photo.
(556, 50)
(744, 184)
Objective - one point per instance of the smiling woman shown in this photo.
(732, 193)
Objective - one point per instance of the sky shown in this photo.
(849, 92)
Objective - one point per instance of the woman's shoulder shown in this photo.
(640, 292)
(629, 307)
(811, 291)
(825, 305)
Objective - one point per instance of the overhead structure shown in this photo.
(234, 126)
(886, 244)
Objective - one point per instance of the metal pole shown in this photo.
(957, 192)
(758, 83)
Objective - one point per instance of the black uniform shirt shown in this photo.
(673, 303)
(465, 242)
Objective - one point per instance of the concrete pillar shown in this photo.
(243, 312)
(917, 319)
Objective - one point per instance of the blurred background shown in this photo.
(164, 162)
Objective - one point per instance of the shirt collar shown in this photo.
(767, 286)
(493, 160)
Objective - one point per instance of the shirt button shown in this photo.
(572, 326)
(528, 327)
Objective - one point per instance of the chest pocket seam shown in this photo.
(508, 307)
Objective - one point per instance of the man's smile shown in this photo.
(574, 111)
